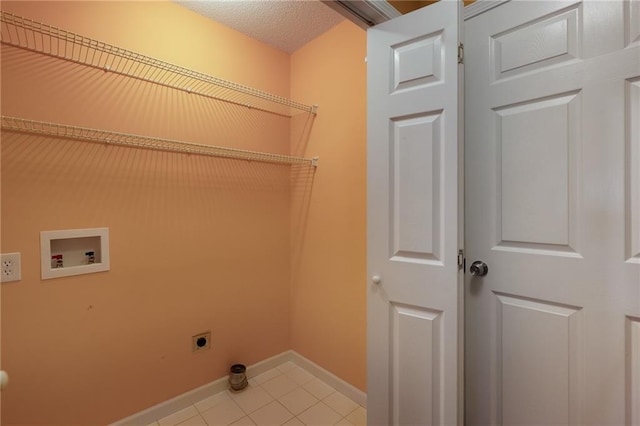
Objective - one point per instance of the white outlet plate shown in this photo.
(11, 268)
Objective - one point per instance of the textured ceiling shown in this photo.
(284, 24)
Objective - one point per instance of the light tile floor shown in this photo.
(286, 395)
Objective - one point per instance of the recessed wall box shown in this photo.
(84, 251)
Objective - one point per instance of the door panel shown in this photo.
(633, 370)
(528, 326)
(415, 184)
(417, 345)
(413, 326)
(551, 184)
(632, 21)
(549, 40)
(633, 170)
(545, 214)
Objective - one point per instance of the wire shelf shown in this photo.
(37, 37)
(64, 131)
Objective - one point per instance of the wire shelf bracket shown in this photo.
(64, 131)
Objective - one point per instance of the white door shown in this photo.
(552, 184)
(413, 315)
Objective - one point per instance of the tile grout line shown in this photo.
(296, 416)
(295, 374)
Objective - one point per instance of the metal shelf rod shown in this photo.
(64, 131)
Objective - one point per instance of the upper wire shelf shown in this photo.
(125, 139)
(42, 38)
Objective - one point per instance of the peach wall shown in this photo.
(197, 243)
(328, 322)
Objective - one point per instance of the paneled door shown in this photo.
(413, 239)
(552, 184)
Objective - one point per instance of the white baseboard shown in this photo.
(183, 401)
(331, 379)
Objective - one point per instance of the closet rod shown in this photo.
(42, 38)
(22, 125)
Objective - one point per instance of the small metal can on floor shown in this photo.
(237, 377)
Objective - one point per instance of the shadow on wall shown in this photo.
(301, 189)
(301, 193)
(48, 89)
(301, 127)
(197, 242)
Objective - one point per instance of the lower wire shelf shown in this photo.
(65, 131)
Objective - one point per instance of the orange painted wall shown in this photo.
(329, 208)
(197, 243)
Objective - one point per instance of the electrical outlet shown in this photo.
(201, 341)
(11, 270)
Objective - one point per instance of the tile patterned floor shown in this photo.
(284, 396)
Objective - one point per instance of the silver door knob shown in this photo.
(376, 279)
(479, 269)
